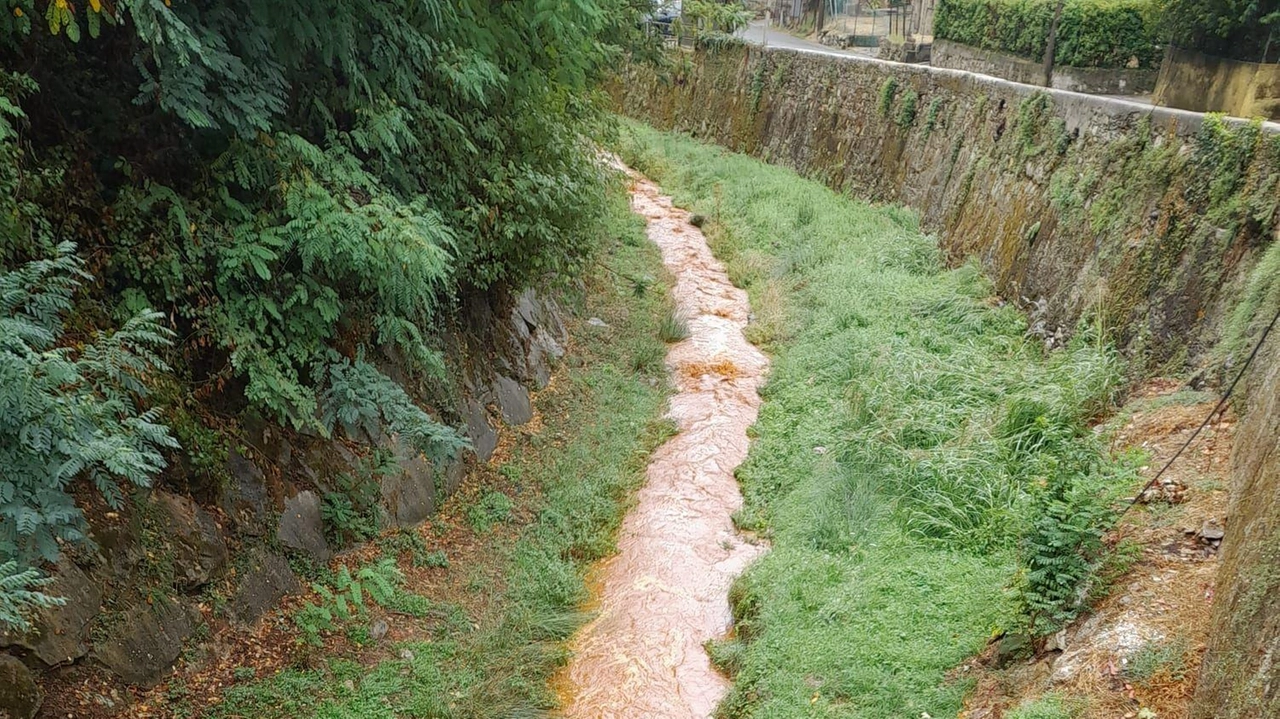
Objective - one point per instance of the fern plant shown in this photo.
(344, 598)
(1060, 552)
(68, 411)
(359, 397)
(20, 595)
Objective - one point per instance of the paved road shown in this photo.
(757, 33)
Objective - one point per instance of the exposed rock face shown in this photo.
(267, 580)
(409, 494)
(246, 501)
(482, 435)
(301, 526)
(19, 696)
(145, 643)
(200, 552)
(60, 635)
(537, 326)
(504, 346)
(513, 400)
(1240, 674)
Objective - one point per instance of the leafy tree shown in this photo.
(1243, 29)
(295, 182)
(294, 186)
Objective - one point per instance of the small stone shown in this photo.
(1012, 647)
(1058, 642)
(349, 685)
(19, 694)
(406, 655)
(597, 322)
(1212, 530)
(697, 220)
(378, 630)
(819, 450)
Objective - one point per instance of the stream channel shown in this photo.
(665, 593)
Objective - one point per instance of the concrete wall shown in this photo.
(1194, 81)
(1096, 80)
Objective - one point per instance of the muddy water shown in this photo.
(665, 593)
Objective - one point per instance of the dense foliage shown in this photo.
(296, 193)
(20, 595)
(1091, 33)
(1242, 29)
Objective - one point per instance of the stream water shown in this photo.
(665, 592)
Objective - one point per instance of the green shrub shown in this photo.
(1061, 550)
(1156, 658)
(292, 192)
(68, 411)
(1049, 706)
(492, 508)
(931, 118)
(907, 112)
(674, 327)
(1092, 33)
(888, 91)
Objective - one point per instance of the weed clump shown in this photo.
(673, 328)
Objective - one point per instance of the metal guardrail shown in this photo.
(672, 32)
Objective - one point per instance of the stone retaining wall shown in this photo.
(1095, 80)
(1194, 81)
(1076, 205)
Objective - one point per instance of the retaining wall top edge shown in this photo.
(1184, 121)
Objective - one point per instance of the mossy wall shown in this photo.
(1079, 207)
(1240, 675)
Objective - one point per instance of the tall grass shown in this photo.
(909, 429)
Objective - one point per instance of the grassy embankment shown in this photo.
(910, 434)
(485, 631)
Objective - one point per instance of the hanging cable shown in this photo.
(1217, 408)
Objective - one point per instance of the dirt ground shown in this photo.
(1137, 654)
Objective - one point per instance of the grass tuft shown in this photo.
(673, 328)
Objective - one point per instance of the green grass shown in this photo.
(1157, 658)
(601, 422)
(1049, 706)
(908, 433)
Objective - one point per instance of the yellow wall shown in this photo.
(1193, 81)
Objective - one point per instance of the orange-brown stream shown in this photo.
(665, 592)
